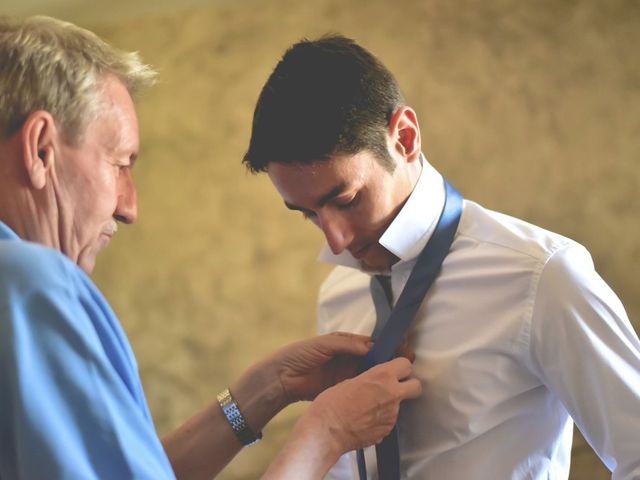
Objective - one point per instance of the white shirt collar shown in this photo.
(414, 224)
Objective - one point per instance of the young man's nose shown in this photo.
(337, 232)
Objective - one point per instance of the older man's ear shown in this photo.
(37, 135)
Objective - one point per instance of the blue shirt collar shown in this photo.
(6, 233)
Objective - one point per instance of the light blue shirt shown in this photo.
(71, 401)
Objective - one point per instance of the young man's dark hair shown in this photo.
(325, 97)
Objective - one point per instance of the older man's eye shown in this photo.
(120, 167)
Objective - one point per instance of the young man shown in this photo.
(517, 336)
(71, 402)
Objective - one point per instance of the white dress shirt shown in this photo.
(516, 337)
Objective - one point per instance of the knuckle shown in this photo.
(341, 334)
(404, 362)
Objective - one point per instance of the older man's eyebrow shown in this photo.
(324, 199)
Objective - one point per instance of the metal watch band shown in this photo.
(236, 420)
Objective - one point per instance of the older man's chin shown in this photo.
(87, 258)
(87, 262)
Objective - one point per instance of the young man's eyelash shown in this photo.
(307, 214)
(351, 203)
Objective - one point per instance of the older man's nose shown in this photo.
(127, 206)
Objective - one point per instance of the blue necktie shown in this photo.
(382, 296)
(390, 337)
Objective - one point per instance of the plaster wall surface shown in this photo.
(530, 108)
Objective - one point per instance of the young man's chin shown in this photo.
(378, 263)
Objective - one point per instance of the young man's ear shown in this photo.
(404, 133)
(38, 134)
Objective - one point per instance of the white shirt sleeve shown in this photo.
(342, 470)
(586, 352)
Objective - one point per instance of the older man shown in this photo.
(71, 401)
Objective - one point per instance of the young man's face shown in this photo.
(351, 198)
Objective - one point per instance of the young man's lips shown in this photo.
(359, 253)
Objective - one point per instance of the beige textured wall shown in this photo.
(531, 108)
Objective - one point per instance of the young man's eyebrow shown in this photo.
(324, 199)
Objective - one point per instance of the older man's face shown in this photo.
(93, 181)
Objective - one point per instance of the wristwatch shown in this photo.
(236, 420)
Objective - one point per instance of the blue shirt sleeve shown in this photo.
(71, 402)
